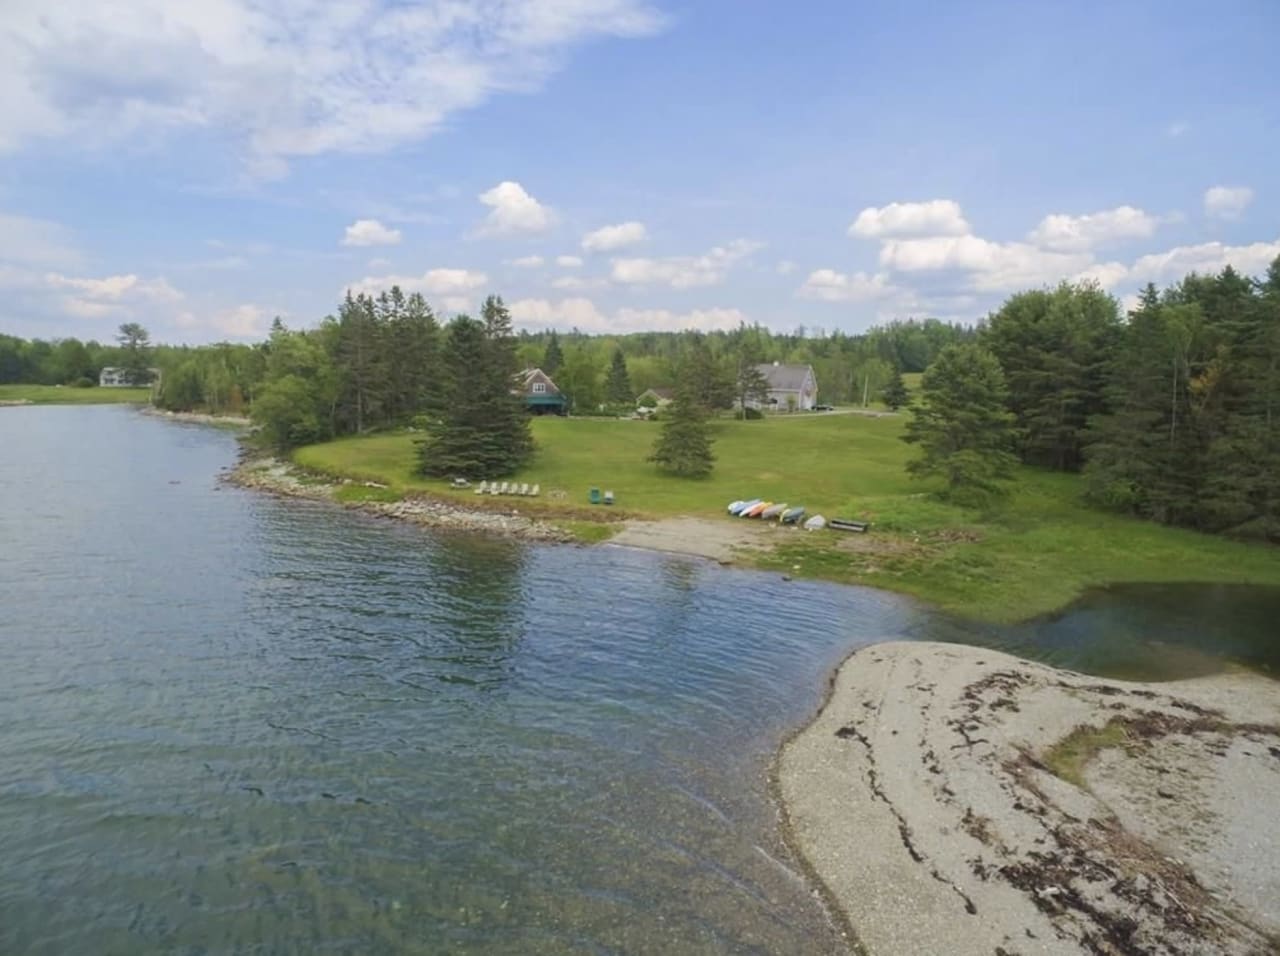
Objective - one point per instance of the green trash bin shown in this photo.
(594, 496)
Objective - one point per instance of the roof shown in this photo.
(785, 378)
(531, 375)
(663, 393)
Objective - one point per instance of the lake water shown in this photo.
(232, 724)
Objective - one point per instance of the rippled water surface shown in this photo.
(231, 724)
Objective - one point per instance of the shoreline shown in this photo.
(945, 787)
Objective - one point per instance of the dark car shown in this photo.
(824, 408)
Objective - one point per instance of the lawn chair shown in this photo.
(594, 496)
(533, 492)
(524, 489)
(506, 489)
(484, 486)
(608, 497)
(493, 488)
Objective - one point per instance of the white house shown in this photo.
(791, 387)
(111, 377)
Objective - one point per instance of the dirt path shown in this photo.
(719, 540)
(925, 797)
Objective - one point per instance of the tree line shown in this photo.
(1171, 413)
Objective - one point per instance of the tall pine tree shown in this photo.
(617, 383)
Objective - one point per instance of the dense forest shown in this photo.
(1171, 412)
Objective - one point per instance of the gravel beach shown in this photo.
(959, 800)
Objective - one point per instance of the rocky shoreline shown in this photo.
(960, 800)
(277, 477)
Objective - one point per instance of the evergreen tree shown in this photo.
(552, 358)
(135, 347)
(703, 377)
(683, 447)
(483, 429)
(895, 394)
(750, 386)
(617, 383)
(1053, 346)
(360, 357)
(962, 426)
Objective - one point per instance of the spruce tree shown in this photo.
(553, 357)
(617, 383)
(962, 426)
(895, 394)
(135, 344)
(684, 445)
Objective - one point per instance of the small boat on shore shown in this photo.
(734, 505)
(742, 506)
(773, 511)
(792, 515)
(848, 524)
(754, 510)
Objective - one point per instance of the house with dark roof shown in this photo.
(541, 395)
(792, 388)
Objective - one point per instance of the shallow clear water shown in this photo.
(232, 724)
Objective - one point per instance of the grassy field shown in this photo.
(65, 395)
(1033, 555)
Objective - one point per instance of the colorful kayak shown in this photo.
(734, 505)
(755, 510)
(773, 511)
(791, 515)
(743, 506)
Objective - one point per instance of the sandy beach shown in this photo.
(958, 800)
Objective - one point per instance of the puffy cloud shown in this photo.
(609, 238)
(827, 285)
(1105, 274)
(1208, 257)
(569, 262)
(370, 232)
(937, 217)
(113, 292)
(299, 78)
(1073, 233)
(513, 212)
(434, 282)
(1227, 202)
(684, 272)
(995, 266)
(528, 262)
(582, 313)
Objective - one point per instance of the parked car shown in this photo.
(824, 408)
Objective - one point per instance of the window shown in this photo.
(539, 388)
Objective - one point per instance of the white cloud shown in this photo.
(1066, 233)
(582, 313)
(569, 262)
(995, 266)
(513, 212)
(609, 238)
(684, 272)
(1227, 202)
(1208, 257)
(827, 285)
(370, 232)
(578, 283)
(434, 282)
(119, 296)
(35, 242)
(243, 322)
(281, 80)
(1106, 274)
(528, 262)
(937, 217)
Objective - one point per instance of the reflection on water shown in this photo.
(235, 724)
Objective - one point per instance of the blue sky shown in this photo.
(621, 164)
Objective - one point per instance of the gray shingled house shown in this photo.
(791, 387)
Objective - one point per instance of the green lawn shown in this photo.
(1031, 556)
(66, 395)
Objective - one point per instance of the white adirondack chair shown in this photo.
(484, 486)
(533, 492)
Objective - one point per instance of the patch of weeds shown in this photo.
(590, 532)
(1070, 755)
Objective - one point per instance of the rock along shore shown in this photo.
(277, 477)
(929, 796)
